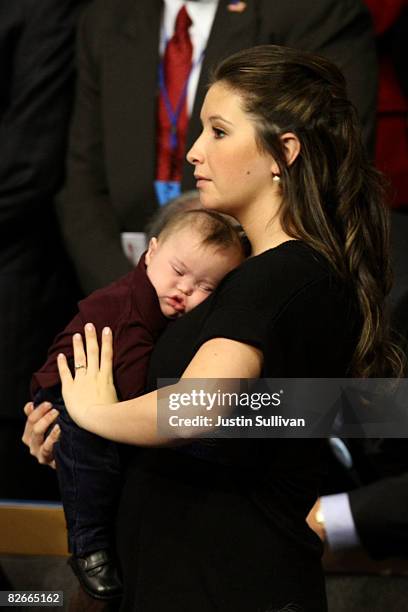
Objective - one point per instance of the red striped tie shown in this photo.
(177, 67)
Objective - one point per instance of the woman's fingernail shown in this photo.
(54, 412)
(89, 327)
(106, 331)
(56, 429)
(77, 336)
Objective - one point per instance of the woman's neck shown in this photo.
(263, 231)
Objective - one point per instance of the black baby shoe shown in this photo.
(97, 574)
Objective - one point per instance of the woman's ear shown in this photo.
(150, 250)
(291, 145)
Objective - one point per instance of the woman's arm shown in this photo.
(90, 396)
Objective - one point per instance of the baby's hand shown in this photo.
(39, 420)
(93, 382)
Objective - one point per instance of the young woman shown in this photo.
(220, 525)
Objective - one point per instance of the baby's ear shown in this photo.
(151, 250)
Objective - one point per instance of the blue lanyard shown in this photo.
(174, 115)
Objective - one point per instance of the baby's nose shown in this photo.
(186, 287)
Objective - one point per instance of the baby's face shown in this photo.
(183, 272)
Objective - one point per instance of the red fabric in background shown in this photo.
(392, 130)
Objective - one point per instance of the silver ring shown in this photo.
(78, 367)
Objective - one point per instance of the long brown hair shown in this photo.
(332, 197)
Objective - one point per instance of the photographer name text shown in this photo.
(239, 421)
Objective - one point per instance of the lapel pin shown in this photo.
(235, 6)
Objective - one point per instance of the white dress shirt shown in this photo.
(338, 522)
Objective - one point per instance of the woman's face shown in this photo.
(232, 174)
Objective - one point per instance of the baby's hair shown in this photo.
(189, 200)
(214, 228)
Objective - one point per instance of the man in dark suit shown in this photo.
(112, 151)
(370, 505)
(36, 68)
(380, 512)
(372, 511)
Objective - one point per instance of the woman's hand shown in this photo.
(39, 420)
(93, 382)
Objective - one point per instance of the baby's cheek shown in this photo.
(196, 300)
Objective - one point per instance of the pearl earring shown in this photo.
(276, 178)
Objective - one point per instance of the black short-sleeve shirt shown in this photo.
(226, 513)
(287, 302)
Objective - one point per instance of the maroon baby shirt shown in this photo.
(130, 307)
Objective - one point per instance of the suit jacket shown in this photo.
(111, 158)
(37, 77)
(380, 513)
